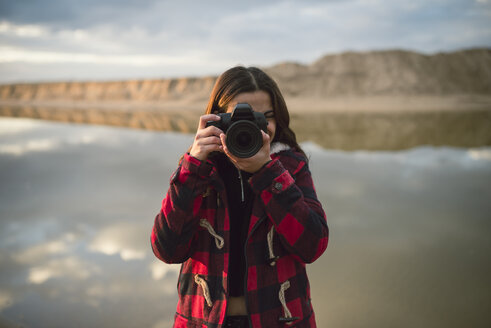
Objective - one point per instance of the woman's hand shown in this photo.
(207, 139)
(250, 164)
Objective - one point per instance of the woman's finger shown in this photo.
(206, 118)
(223, 139)
(211, 131)
(210, 140)
(266, 142)
(266, 138)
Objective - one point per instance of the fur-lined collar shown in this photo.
(277, 147)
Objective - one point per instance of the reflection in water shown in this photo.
(409, 245)
(120, 239)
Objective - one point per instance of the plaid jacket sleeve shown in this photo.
(286, 188)
(177, 222)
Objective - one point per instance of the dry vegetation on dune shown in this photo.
(371, 100)
(388, 73)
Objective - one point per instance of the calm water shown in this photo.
(410, 231)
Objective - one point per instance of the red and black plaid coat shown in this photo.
(285, 207)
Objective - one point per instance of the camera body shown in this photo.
(243, 130)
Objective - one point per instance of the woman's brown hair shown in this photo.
(241, 79)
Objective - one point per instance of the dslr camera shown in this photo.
(243, 130)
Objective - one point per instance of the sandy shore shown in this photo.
(348, 123)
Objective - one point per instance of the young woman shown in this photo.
(243, 228)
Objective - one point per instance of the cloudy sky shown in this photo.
(52, 40)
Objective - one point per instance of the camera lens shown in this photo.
(244, 139)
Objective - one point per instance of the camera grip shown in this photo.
(212, 123)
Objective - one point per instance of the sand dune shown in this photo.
(394, 73)
(366, 100)
(377, 73)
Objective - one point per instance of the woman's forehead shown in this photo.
(260, 101)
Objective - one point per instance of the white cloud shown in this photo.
(159, 269)
(23, 31)
(480, 154)
(9, 54)
(38, 145)
(39, 275)
(43, 250)
(17, 141)
(71, 267)
(6, 299)
(172, 39)
(121, 239)
(14, 126)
